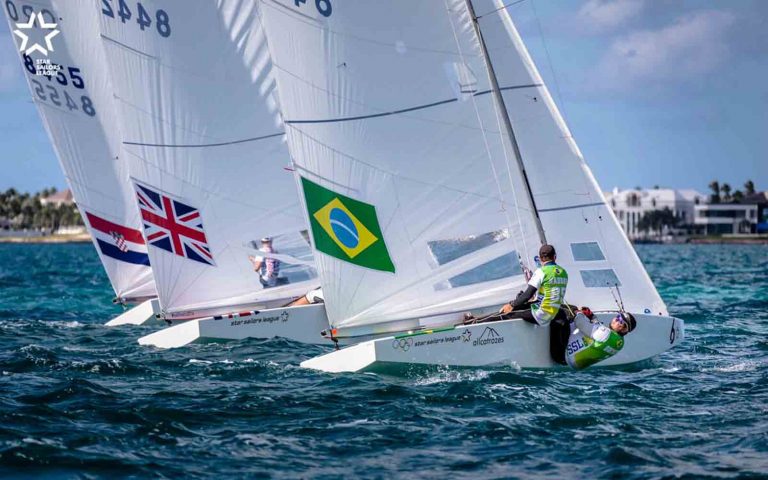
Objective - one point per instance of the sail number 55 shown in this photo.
(323, 6)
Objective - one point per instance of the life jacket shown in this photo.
(551, 293)
(596, 343)
(270, 267)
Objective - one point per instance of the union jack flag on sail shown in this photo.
(173, 226)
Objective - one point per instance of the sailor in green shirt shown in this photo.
(549, 283)
(590, 341)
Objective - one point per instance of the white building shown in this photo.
(727, 218)
(631, 205)
(58, 199)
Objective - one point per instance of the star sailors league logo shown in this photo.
(22, 32)
(173, 226)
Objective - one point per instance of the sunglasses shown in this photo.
(620, 318)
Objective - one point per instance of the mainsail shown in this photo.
(400, 134)
(75, 103)
(399, 147)
(209, 165)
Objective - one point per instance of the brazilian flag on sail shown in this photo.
(346, 228)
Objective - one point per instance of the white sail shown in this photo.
(208, 160)
(78, 111)
(590, 243)
(412, 191)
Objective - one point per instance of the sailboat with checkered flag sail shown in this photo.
(79, 113)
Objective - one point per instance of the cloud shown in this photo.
(695, 44)
(601, 16)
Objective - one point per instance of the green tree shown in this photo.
(749, 187)
(29, 207)
(737, 196)
(726, 189)
(715, 187)
(656, 220)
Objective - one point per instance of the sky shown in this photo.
(656, 92)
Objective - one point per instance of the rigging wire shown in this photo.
(497, 108)
(549, 59)
(482, 128)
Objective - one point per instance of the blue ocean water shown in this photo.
(78, 400)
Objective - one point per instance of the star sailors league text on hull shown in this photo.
(501, 343)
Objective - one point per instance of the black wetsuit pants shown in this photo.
(523, 312)
(559, 333)
(559, 330)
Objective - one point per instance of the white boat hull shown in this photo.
(301, 324)
(141, 314)
(505, 342)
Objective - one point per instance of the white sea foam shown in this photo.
(204, 362)
(453, 376)
(747, 366)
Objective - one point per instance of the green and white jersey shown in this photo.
(550, 281)
(590, 343)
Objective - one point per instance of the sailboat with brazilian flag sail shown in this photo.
(433, 163)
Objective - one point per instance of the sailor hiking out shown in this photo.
(584, 341)
(548, 283)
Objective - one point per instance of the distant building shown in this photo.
(631, 205)
(761, 200)
(727, 218)
(71, 230)
(58, 199)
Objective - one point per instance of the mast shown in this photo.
(507, 122)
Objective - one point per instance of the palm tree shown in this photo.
(749, 187)
(656, 220)
(714, 185)
(726, 189)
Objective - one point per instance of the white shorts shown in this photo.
(315, 296)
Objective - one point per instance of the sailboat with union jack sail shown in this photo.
(210, 172)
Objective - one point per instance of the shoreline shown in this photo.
(729, 241)
(42, 239)
(714, 240)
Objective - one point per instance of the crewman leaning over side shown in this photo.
(590, 341)
(550, 282)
